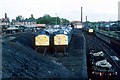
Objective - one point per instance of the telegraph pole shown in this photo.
(86, 18)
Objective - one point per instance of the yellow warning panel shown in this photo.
(90, 30)
(42, 40)
(61, 39)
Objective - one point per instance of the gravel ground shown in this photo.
(20, 60)
(74, 60)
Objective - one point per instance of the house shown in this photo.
(40, 25)
(5, 21)
(26, 22)
(77, 24)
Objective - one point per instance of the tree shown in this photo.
(47, 19)
(19, 18)
(64, 21)
(44, 20)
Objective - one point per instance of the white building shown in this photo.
(77, 24)
(119, 10)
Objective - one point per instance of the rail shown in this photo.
(109, 53)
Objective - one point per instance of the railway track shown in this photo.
(100, 45)
(73, 60)
(11, 37)
(91, 45)
(95, 43)
(111, 54)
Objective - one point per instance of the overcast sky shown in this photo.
(96, 10)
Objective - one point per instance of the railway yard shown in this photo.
(20, 59)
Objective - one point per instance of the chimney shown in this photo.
(81, 15)
(119, 10)
(31, 15)
(86, 18)
(5, 15)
